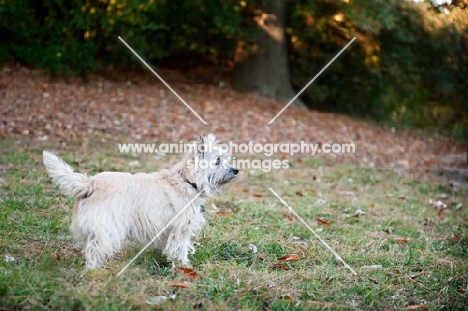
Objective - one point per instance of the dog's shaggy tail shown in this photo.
(73, 184)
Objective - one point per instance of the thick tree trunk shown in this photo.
(265, 71)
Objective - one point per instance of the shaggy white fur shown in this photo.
(112, 207)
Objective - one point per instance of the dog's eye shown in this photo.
(217, 161)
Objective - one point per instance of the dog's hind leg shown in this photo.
(98, 249)
(95, 257)
(80, 237)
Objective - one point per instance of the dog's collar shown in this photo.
(194, 185)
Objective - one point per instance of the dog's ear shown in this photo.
(211, 138)
(201, 147)
(201, 139)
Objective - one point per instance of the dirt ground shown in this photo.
(136, 107)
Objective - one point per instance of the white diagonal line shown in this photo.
(160, 232)
(338, 257)
(311, 81)
(167, 85)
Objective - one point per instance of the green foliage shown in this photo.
(74, 37)
(48, 35)
(405, 68)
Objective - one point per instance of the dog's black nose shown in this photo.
(235, 171)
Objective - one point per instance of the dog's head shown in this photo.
(210, 168)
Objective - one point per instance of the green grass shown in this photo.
(429, 269)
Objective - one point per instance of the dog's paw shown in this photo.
(185, 263)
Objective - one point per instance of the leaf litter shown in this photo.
(136, 107)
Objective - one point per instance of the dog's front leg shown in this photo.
(178, 246)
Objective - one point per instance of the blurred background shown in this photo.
(407, 68)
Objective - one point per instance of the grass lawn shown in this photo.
(406, 255)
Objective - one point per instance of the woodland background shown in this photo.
(407, 68)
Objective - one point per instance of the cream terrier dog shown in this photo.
(112, 207)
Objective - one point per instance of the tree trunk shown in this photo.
(265, 70)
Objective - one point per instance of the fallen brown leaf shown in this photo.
(223, 213)
(289, 217)
(401, 240)
(323, 222)
(181, 284)
(290, 257)
(189, 273)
